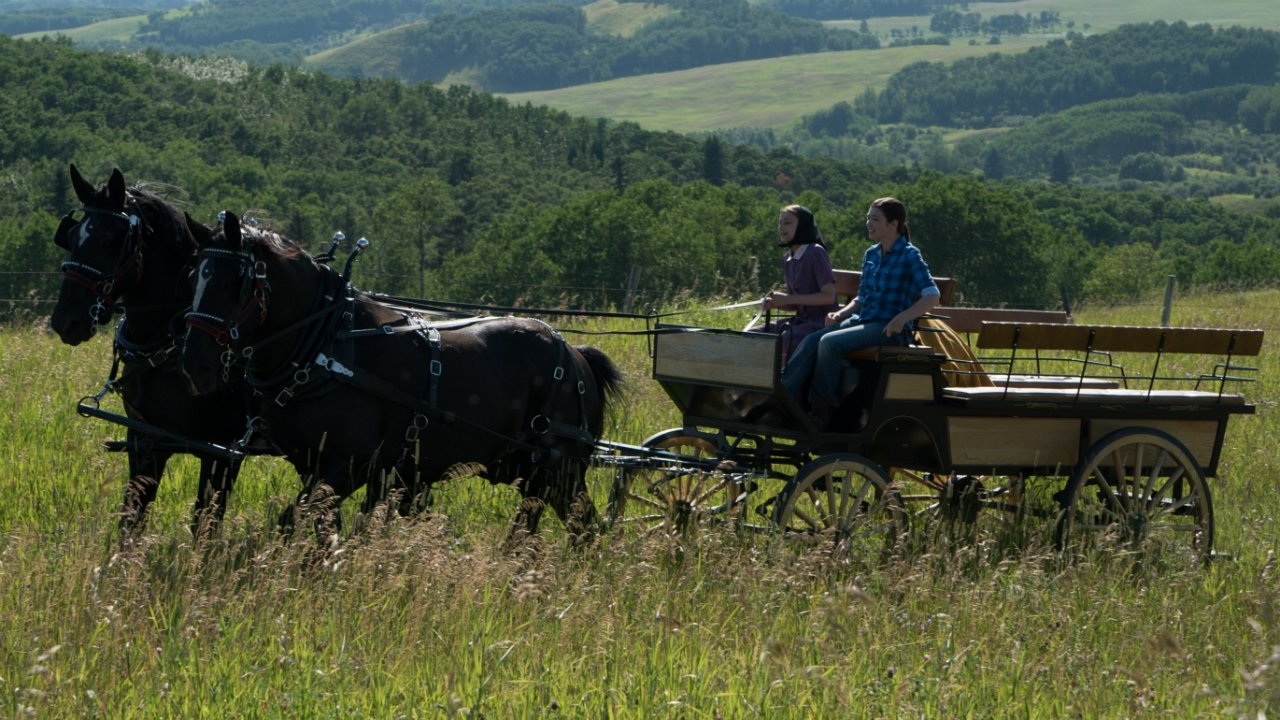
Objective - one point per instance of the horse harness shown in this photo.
(100, 282)
(327, 351)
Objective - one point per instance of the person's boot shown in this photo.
(820, 413)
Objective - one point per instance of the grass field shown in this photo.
(428, 618)
(610, 17)
(117, 29)
(774, 93)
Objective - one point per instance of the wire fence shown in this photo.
(35, 305)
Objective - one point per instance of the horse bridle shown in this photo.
(100, 282)
(255, 294)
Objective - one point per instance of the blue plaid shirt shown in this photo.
(891, 283)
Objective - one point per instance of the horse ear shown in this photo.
(84, 190)
(231, 230)
(115, 187)
(62, 237)
(199, 231)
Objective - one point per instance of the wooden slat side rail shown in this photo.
(1120, 338)
(968, 320)
(848, 282)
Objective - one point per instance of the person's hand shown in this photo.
(894, 327)
(833, 318)
(775, 300)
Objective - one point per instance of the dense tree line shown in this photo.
(1214, 141)
(853, 9)
(1134, 59)
(957, 23)
(467, 197)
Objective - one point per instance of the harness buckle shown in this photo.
(559, 373)
(416, 426)
(284, 396)
(436, 368)
(540, 424)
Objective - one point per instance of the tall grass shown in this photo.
(433, 618)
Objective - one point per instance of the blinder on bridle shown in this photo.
(102, 283)
(254, 291)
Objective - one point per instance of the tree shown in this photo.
(1060, 169)
(713, 168)
(985, 236)
(1125, 274)
(993, 165)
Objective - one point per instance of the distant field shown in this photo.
(610, 17)
(776, 92)
(121, 29)
(759, 93)
(1102, 15)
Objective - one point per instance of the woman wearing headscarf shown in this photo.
(810, 284)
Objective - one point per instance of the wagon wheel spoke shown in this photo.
(1138, 490)
(675, 498)
(845, 500)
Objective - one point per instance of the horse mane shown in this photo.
(166, 214)
(272, 241)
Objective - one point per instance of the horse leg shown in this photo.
(525, 524)
(568, 494)
(332, 483)
(146, 466)
(217, 476)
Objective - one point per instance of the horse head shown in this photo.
(104, 244)
(228, 305)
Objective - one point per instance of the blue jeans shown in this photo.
(821, 356)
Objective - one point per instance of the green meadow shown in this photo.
(433, 618)
(775, 92)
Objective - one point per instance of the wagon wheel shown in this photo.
(671, 498)
(1138, 489)
(847, 500)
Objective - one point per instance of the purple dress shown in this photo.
(805, 275)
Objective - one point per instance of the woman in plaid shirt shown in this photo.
(896, 288)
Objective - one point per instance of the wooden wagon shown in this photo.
(1047, 422)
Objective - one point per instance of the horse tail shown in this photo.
(608, 377)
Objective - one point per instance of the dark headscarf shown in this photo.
(806, 230)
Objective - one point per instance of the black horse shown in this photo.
(358, 393)
(131, 249)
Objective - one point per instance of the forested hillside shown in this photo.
(501, 45)
(1136, 59)
(1190, 110)
(548, 46)
(468, 197)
